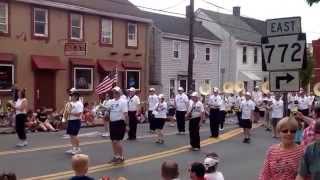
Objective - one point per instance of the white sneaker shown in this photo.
(76, 151)
(221, 129)
(25, 143)
(22, 144)
(70, 151)
(105, 134)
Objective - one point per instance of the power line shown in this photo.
(215, 5)
(170, 7)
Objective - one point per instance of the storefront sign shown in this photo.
(75, 49)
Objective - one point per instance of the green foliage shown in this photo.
(311, 2)
(306, 74)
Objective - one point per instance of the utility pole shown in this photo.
(190, 15)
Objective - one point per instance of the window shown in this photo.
(172, 88)
(244, 55)
(208, 54)
(183, 84)
(6, 77)
(255, 58)
(245, 83)
(83, 78)
(106, 31)
(133, 79)
(4, 18)
(132, 35)
(76, 27)
(40, 22)
(254, 84)
(176, 49)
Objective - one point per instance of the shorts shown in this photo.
(159, 123)
(73, 127)
(261, 113)
(245, 123)
(275, 121)
(171, 112)
(117, 130)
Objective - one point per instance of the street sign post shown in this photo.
(284, 81)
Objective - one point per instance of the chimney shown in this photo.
(236, 11)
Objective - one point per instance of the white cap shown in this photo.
(180, 89)
(73, 90)
(116, 88)
(152, 89)
(210, 161)
(195, 94)
(161, 96)
(215, 89)
(248, 94)
(132, 89)
(257, 87)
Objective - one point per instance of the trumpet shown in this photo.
(66, 111)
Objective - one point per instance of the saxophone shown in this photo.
(66, 111)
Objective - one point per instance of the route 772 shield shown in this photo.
(285, 52)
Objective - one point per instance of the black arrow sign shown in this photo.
(288, 77)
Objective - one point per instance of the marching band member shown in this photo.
(222, 110)
(276, 113)
(106, 104)
(264, 110)
(171, 111)
(153, 100)
(133, 112)
(256, 96)
(181, 104)
(160, 115)
(292, 102)
(118, 123)
(74, 121)
(311, 100)
(237, 104)
(196, 114)
(21, 108)
(214, 103)
(247, 109)
(303, 104)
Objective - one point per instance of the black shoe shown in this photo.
(131, 139)
(113, 160)
(245, 140)
(248, 140)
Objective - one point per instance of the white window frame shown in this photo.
(207, 54)
(179, 49)
(255, 55)
(107, 31)
(12, 80)
(46, 22)
(132, 42)
(174, 88)
(74, 77)
(81, 27)
(126, 82)
(6, 5)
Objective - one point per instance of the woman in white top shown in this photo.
(160, 114)
(211, 164)
(21, 107)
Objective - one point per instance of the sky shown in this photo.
(258, 9)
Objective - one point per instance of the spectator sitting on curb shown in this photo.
(80, 163)
(197, 171)
(211, 164)
(169, 170)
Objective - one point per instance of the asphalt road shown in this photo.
(45, 157)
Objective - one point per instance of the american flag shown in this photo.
(107, 83)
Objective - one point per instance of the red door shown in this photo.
(45, 89)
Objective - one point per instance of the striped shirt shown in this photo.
(281, 164)
(308, 134)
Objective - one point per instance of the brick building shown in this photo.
(49, 46)
(316, 55)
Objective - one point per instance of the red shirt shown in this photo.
(308, 134)
(281, 164)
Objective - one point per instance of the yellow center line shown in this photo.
(141, 159)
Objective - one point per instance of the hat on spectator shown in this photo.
(210, 161)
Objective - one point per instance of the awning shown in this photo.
(249, 76)
(131, 65)
(82, 62)
(109, 65)
(7, 57)
(47, 62)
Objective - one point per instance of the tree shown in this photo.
(306, 74)
(311, 2)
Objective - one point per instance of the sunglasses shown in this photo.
(287, 130)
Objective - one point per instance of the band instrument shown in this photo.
(228, 87)
(265, 87)
(205, 89)
(66, 111)
(316, 89)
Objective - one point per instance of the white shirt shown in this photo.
(277, 109)
(182, 101)
(223, 104)
(161, 110)
(153, 100)
(256, 95)
(133, 103)
(77, 107)
(106, 103)
(232, 100)
(196, 109)
(214, 176)
(311, 99)
(117, 109)
(291, 100)
(18, 104)
(215, 101)
(247, 106)
(303, 103)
